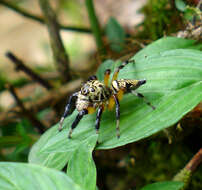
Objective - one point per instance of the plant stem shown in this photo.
(195, 161)
(36, 123)
(50, 99)
(21, 66)
(185, 174)
(95, 26)
(40, 19)
(60, 56)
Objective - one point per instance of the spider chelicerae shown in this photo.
(95, 95)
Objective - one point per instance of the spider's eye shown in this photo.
(84, 91)
(92, 90)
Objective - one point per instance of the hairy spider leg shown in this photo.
(93, 77)
(116, 72)
(115, 76)
(112, 101)
(106, 77)
(143, 98)
(91, 110)
(98, 118)
(117, 116)
(69, 108)
(76, 121)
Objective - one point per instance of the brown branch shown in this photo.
(39, 19)
(21, 66)
(195, 161)
(60, 56)
(49, 99)
(27, 113)
(184, 175)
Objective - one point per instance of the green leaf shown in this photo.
(115, 34)
(81, 167)
(167, 185)
(180, 5)
(163, 44)
(51, 159)
(19, 176)
(174, 85)
(189, 13)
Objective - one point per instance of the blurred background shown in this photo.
(28, 107)
(29, 39)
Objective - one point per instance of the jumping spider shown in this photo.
(95, 94)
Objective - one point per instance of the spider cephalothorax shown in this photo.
(97, 95)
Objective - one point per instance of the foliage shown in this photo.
(84, 172)
(164, 186)
(172, 68)
(161, 18)
(173, 71)
(180, 5)
(115, 34)
(188, 11)
(16, 139)
(15, 176)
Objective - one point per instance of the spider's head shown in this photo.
(87, 88)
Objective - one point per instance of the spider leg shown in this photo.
(117, 115)
(144, 99)
(106, 77)
(93, 77)
(70, 107)
(98, 117)
(116, 72)
(76, 121)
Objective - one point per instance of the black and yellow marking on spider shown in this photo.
(95, 95)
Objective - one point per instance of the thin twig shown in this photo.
(185, 174)
(21, 66)
(195, 161)
(39, 126)
(59, 53)
(49, 99)
(40, 19)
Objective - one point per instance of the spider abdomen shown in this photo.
(126, 84)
